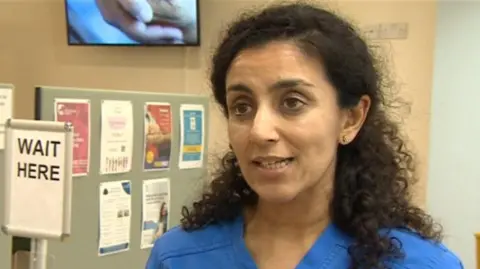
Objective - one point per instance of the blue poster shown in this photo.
(192, 140)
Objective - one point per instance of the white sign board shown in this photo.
(38, 180)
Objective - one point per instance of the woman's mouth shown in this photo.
(274, 164)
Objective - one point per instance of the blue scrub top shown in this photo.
(222, 246)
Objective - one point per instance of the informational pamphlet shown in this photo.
(192, 139)
(158, 136)
(117, 137)
(77, 112)
(155, 209)
(115, 217)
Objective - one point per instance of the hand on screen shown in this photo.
(132, 18)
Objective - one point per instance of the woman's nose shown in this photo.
(264, 126)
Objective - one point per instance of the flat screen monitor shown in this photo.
(133, 22)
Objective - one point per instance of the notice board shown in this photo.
(80, 250)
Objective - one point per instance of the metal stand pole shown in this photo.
(38, 254)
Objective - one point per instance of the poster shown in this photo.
(158, 134)
(6, 111)
(117, 137)
(77, 112)
(192, 136)
(155, 209)
(115, 217)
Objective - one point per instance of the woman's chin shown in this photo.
(276, 196)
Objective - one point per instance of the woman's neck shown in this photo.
(306, 214)
(286, 231)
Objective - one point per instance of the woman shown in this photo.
(162, 221)
(318, 176)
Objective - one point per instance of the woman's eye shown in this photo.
(241, 109)
(293, 103)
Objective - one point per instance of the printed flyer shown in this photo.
(115, 217)
(117, 137)
(192, 139)
(158, 136)
(77, 112)
(155, 209)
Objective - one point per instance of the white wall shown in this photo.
(453, 192)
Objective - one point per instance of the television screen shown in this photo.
(133, 22)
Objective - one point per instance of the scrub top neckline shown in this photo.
(320, 255)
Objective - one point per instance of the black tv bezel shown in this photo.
(197, 44)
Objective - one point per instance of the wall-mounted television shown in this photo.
(133, 22)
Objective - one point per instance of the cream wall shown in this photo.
(453, 175)
(33, 51)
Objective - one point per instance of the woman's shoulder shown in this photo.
(424, 253)
(178, 242)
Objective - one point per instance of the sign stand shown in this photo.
(38, 254)
(38, 183)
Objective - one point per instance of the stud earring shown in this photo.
(344, 140)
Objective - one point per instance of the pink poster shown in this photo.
(77, 112)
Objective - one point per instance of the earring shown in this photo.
(344, 140)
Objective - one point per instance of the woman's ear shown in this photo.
(354, 119)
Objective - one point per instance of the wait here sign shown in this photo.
(38, 160)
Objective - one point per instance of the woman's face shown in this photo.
(284, 123)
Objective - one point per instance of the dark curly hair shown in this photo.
(374, 172)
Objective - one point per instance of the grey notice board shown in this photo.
(80, 250)
(5, 240)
